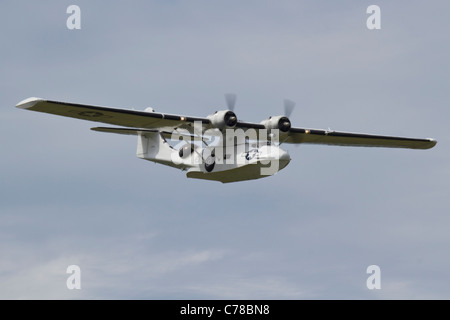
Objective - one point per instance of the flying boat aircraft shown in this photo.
(218, 147)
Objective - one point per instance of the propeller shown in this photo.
(230, 98)
(288, 107)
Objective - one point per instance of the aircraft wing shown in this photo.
(167, 123)
(351, 139)
(314, 136)
(121, 117)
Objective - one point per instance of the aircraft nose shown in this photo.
(284, 159)
(284, 156)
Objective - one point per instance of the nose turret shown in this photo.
(279, 157)
(284, 158)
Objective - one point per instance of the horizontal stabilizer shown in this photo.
(127, 131)
(132, 131)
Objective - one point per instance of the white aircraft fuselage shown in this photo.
(244, 161)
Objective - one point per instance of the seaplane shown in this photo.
(218, 147)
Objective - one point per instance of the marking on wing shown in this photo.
(92, 114)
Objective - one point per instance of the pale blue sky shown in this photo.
(141, 230)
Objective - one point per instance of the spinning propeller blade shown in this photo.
(231, 100)
(288, 107)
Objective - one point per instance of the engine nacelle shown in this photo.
(281, 123)
(223, 119)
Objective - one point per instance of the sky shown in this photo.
(139, 230)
